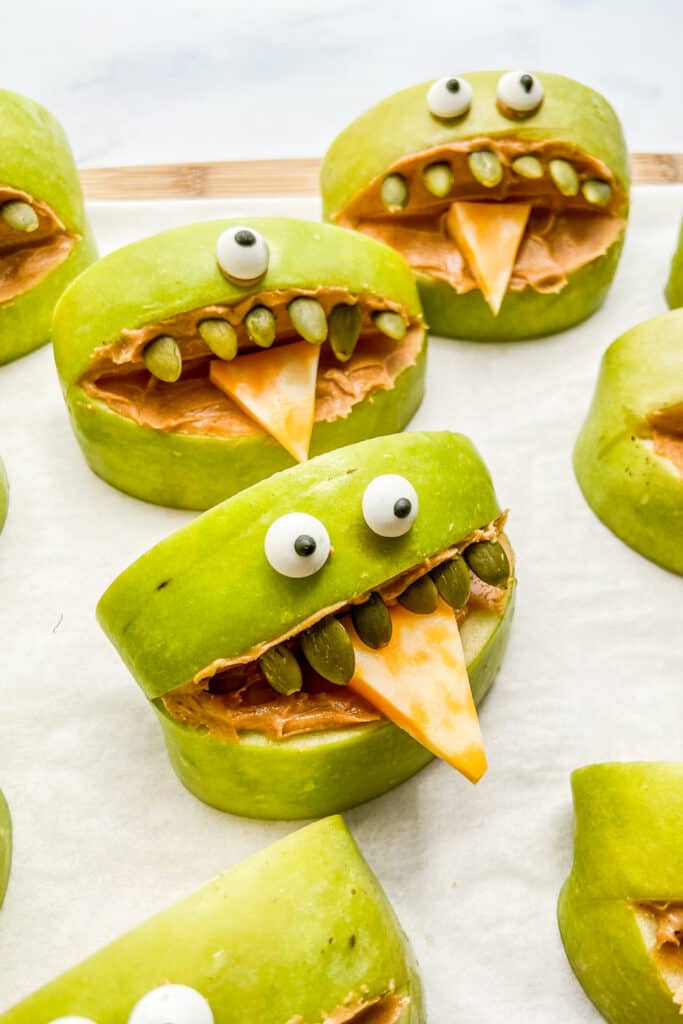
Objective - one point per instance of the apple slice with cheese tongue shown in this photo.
(489, 236)
(276, 388)
(420, 682)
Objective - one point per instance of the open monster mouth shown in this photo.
(278, 362)
(667, 434)
(662, 928)
(394, 653)
(494, 214)
(33, 242)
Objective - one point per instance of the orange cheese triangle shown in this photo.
(276, 388)
(420, 682)
(489, 236)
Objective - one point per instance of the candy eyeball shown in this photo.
(242, 255)
(172, 1004)
(450, 97)
(390, 505)
(297, 545)
(519, 93)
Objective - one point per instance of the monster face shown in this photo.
(282, 636)
(629, 455)
(621, 909)
(300, 932)
(506, 192)
(45, 240)
(204, 359)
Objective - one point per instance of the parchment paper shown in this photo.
(104, 833)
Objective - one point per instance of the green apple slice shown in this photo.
(628, 457)
(620, 909)
(299, 932)
(5, 846)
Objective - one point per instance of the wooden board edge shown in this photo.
(291, 177)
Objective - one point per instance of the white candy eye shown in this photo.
(297, 545)
(242, 255)
(450, 97)
(390, 505)
(172, 1004)
(519, 92)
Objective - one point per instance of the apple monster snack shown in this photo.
(674, 287)
(621, 909)
(5, 846)
(45, 240)
(201, 360)
(316, 639)
(300, 933)
(507, 192)
(629, 455)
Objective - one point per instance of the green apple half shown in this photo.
(626, 889)
(54, 244)
(186, 443)
(628, 457)
(300, 932)
(4, 494)
(401, 136)
(674, 287)
(5, 846)
(206, 598)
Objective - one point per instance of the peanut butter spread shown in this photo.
(563, 232)
(28, 257)
(229, 697)
(117, 375)
(668, 942)
(383, 1010)
(667, 434)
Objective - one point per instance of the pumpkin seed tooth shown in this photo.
(597, 192)
(327, 648)
(260, 325)
(488, 561)
(344, 330)
(421, 597)
(163, 358)
(19, 215)
(390, 323)
(308, 319)
(220, 336)
(452, 580)
(281, 669)
(394, 192)
(486, 167)
(372, 622)
(564, 177)
(528, 166)
(438, 179)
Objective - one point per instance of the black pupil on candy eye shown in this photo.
(527, 82)
(402, 508)
(245, 237)
(304, 545)
(453, 85)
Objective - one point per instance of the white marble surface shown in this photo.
(218, 79)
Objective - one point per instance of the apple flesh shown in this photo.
(627, 852)
(35, 157)
(292, 933)
(636, 492)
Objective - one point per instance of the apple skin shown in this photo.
(166, 615)
(402, 124)
(674, 288)
(637, 494)
(294, 930)
(4, 495)
(139, 284)
(5, 846)
(627, 848)
(36, 158)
